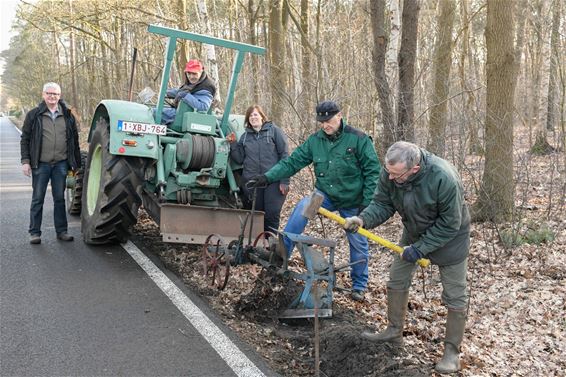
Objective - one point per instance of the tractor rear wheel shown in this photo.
(111, 191)
(74, 195)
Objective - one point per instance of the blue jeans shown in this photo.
(41, 175)
(358, 243)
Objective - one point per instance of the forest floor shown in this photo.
(516, 319)
(517, 314)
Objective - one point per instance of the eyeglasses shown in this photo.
(396, 176)
(52, 94)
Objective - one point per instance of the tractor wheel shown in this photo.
(111, 191)
(74, 195)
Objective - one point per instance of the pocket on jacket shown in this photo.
(320, 167)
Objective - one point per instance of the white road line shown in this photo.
(240, 364)
(17, 129)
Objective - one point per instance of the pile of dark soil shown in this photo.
(270, 296)
(252, 302)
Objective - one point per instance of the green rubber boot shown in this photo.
(397, 301)
(455, 325)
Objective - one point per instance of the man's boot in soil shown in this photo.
(397, 301)
(455, 325)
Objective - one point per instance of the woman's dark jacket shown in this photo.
(259, 151)
(32, 135)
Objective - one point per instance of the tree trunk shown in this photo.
(211, 62)
(496, 197)
(441, 67)
(183, 55)
(377, 9)
(277, 59)
(554, 59)
(465, 68)
(252, 35)
(74, 100)
(308, 81)
(407, 55)
(391, 68)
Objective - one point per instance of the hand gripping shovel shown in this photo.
(314, 207)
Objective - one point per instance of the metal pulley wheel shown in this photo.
(196, 152)
(216, 261)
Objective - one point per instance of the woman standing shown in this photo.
(261, 146)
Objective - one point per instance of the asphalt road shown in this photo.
(71, 309)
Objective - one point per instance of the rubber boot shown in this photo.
(455, 324)
(397, 301)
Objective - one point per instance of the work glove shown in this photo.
(283, 188)
(353, 223)
(258, 181)
(171, 93)
(361, 208)
(180, 95)
(411, 254)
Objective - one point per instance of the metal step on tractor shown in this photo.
(182, 174)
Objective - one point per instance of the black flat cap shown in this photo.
(326, 110)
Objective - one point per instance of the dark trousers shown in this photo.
(57, 174)
(269, 200)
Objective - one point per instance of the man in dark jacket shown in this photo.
(427, 192)
(346, 169)
(49, 148)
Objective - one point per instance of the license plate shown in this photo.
(142, 128)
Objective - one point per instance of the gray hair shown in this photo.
(405, 152)
(52, 85)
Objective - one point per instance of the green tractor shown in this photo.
(181, 174)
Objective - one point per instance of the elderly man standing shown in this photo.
(49, 148)
(346, 169)
(427, 192)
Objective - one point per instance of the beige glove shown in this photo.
(353, 223)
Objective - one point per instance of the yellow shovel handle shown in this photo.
(388, 244)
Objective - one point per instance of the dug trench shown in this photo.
(251, 303)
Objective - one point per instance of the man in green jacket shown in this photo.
(346, 169)
(427, 192)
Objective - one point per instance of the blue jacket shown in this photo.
(259, 151)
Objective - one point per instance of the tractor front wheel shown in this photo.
(111, 191)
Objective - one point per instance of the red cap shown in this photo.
(193, 65)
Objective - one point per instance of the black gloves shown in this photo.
(411, 254)
(180, 95)
(258, 181)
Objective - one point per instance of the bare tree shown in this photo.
(441, 67)
(212, 63)
(277, 59)
(554, 62)
(496, 196)
(407, 55)
(377, 9)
